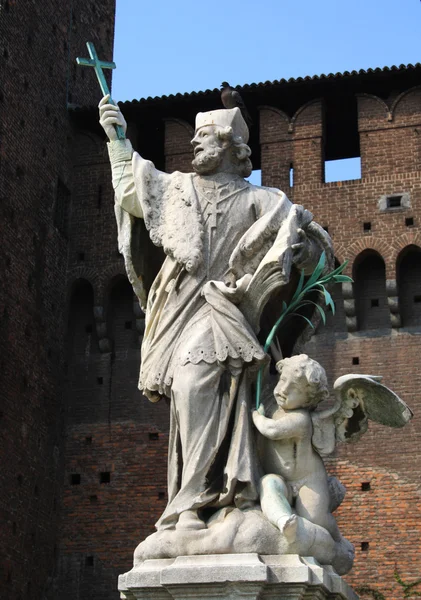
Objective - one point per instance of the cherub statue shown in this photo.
(296, 483)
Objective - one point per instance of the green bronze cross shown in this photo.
(98, 65)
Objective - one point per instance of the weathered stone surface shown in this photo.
(234, 576)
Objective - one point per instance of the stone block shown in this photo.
(234, 576)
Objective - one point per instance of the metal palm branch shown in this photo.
(317, 283)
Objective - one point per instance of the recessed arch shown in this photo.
(81, 331)
(384, 106)
(369, 274)
(87, 147)
(121, 320)
(398, 100)
(408, 270)
(354, 251)
(300, 110)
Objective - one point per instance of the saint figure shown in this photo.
(199, 350)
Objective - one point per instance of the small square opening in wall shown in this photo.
(374, 302)
(153, 435)
(417, 299)
(365, 486)
(343, 169)
(355, 360)
(88, 329)
(88, 440)
(367, 226)
(105, 477)
(75, 479)
(100, 380)
(394, 201)
(365, 546)
(409, 221)
(128, 325)
(81, 256)
(93, 499)
(161, 495)
(326, 228)
(89, 561)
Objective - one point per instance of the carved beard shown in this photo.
(207, 161)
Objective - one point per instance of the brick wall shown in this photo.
(38, 44)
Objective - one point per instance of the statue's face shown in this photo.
(208, 149)
(204, 139)
(291, 390)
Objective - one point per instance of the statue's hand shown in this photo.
(110, 116)
(300, 249)
(261, 410)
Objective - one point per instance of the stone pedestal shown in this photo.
(234, 576)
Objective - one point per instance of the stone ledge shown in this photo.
(234, 576)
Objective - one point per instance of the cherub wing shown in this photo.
(359, 398)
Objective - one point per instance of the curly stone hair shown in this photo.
(313, 372)
(240, 151)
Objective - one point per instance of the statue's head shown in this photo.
(220, 143)
(302, 383)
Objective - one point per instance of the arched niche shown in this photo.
(87, 147)
(124, 396)
(369, 274)
(407, 105)
(81, 333)
(408, 268)
(274, 125)
(120, 316)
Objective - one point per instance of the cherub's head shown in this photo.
(302, 383)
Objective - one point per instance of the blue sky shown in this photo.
(169, 46)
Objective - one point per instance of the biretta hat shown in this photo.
(225, 117)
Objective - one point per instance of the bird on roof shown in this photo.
(231, 98)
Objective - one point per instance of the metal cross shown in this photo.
(98, 65)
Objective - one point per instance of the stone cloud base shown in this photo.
(234, 576)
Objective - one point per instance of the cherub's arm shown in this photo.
(293, 424)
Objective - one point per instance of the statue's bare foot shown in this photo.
(288, 526)
(190, 520)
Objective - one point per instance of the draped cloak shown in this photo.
(199, 221)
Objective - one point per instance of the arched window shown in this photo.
(84, 373)
(121, 319)
(408, 269)
(81, 334)
(370, 291)
(124, 400)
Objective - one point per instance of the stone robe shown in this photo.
(198, 348)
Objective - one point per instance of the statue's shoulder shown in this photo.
(262, 189)
(267, 197)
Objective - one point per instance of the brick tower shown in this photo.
(38, 80)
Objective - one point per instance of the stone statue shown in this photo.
(234, 253)
(296, 437)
